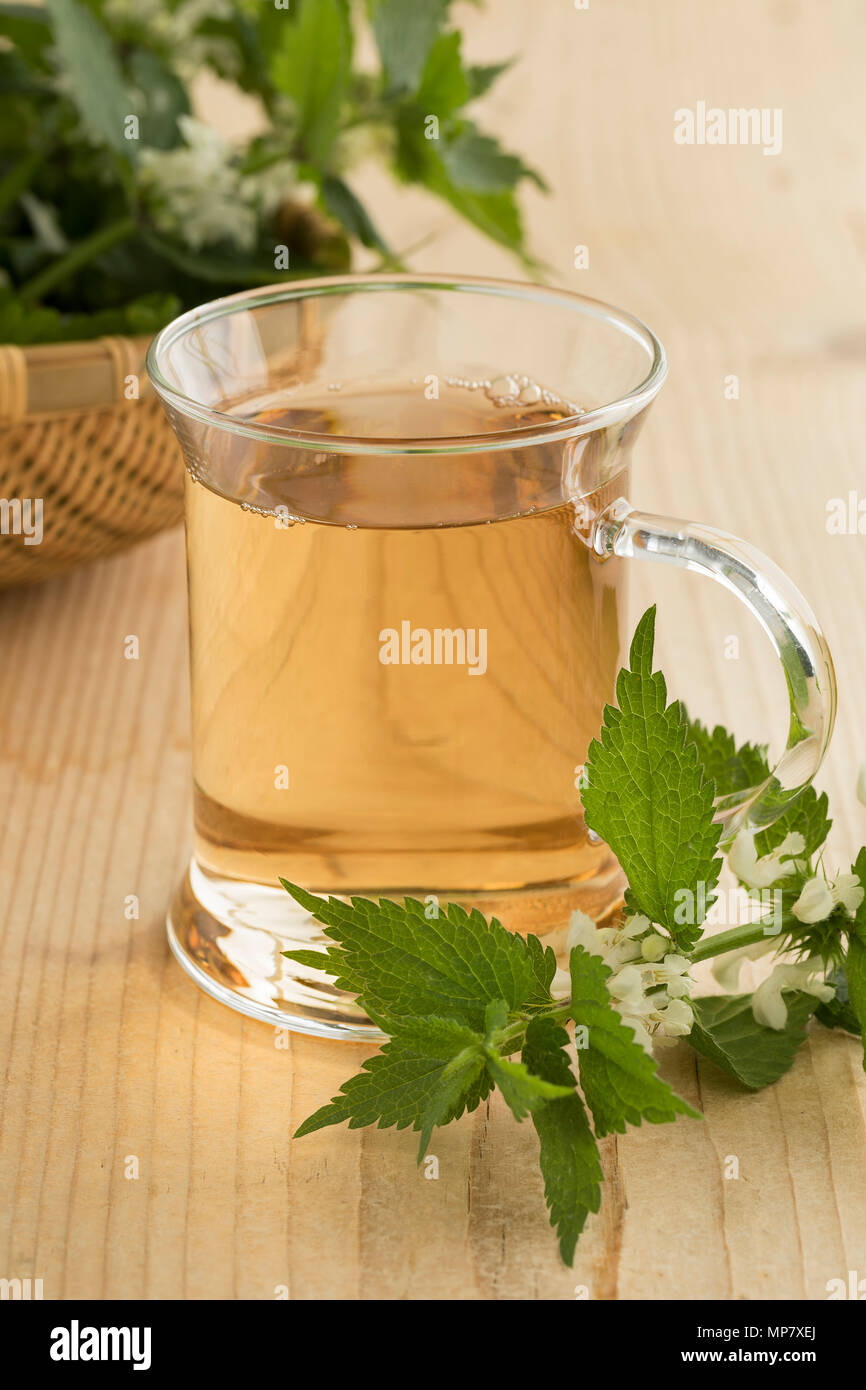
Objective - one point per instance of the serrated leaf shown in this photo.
(568, 1153)
(444, 86)
(619, 1080)
(477, 162)
(405, 32)
(459, 1080)
(163, 98)
(497, 215)
(93, 73)
(403, 1084)
(855, 961)
(647, 796)
(807, 816)
(399, 962)
(481, 76)
(312, 67)
(732, 768)
(725, 1031)
(495, 1016)
(521, 1091)
(542, 961)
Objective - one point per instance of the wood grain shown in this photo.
(744, 264)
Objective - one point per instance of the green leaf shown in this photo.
(808, 816)
(522, 1091)
(400, 962)
(481, 77)
(725, 1031)
(312, 67)
(27, 27)
(221, 270)
(163, 98)
(405, 31)
(568, 1154)
(855, 970)
(497, 215)
(542, 960)
(92, 72)
(343, 204)
(646, 795)
(406, 1083)
(732, 769)
(477, 162)
(837, 1012)
(22, 323)
(444, 85)
(855, 961)
(461, 1080)
(619, 1080)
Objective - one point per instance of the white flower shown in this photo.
(726, 969)
(653, 947)
(815, 901)
(560, 985)
(820, 896)
(768, 1006)
(616, 945)
(678, 1019)
(198, 193)
(648, 982)
(582, 931)
(761, 873)
(626, 988)
(849, 892)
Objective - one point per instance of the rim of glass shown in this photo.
(617, 411)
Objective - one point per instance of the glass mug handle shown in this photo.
(784, 615)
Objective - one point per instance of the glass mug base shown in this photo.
(229, 935)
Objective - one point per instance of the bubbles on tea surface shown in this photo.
(504, 388)
(512, 389)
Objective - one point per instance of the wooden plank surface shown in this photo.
(744, 264)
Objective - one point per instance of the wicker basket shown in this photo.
(84, 434)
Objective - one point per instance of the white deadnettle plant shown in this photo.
(459, 1018)
(199, 193)
(649, 983)
(821, 895)
(756, 873)
(818, 898)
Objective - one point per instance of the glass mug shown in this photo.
(407, 538)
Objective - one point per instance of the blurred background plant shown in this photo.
(119, 207)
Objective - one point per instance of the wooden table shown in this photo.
(747, 265)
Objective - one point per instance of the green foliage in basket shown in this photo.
(119, 207)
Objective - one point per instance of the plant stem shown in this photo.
(746, 935)
(77, 256)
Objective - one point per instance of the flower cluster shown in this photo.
(199, 193)
(649, 984)
(819, 895)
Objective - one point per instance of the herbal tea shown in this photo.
(398, 661)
